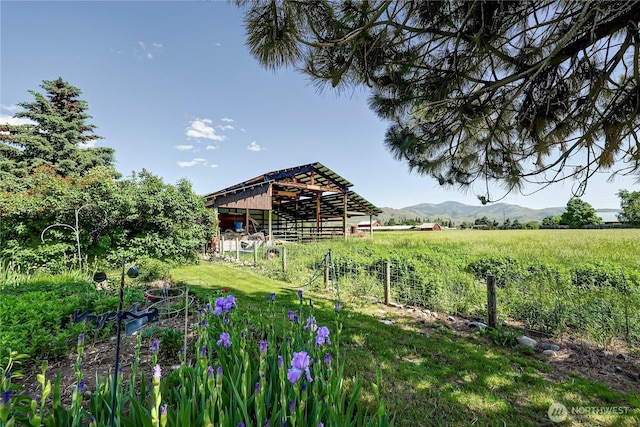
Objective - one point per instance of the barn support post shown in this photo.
(270, 227)
(387, 282)
(492, 304)
(317, 214)
(371, 226)
(344, 217)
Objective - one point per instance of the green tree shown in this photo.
(502, 91)
(630, 205)
(59, 137)
(550, 221)
(579, 213)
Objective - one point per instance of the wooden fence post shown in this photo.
(237, 249)
(492, 301)
(284, 259)
(255, 254)
(221, 247)
(387, 282)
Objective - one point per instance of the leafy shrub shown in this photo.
(597, 276)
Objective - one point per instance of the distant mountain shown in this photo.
(459, 212)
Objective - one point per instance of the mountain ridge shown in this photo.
(460, 212)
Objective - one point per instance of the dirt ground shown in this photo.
(574, 356)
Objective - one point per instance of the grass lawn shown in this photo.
(432, 375)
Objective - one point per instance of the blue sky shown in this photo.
(172, 87)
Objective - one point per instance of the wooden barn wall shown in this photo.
(254, 198)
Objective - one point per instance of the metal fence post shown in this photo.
(325, 270)
(237, 249)
(387, 282)
(492, 303)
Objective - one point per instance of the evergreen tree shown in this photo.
(59, 137)
(509, 92)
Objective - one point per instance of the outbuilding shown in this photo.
(301, 203)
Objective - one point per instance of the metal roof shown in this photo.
(294, 192)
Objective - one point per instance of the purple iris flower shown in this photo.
(311, 324)
(292, 406)
(163, 409)
(291, 315)
(323, 336)
(327, 359)
(280, 361)
(80, 339)
(219, 371)
(81, 385)
(154, 346)
(229, 302)
(207, 307)
(219, 306)
(209, 372)
(7, 375)
(157, 372)
(225, 339)
(203, 351)
(258, 387)
(241, 425)
(203, 323)
(337, 306)
(299, 365)
(272, 297)
(6, 396)
(263, 346)
(300, 294)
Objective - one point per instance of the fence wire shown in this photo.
(598, 305)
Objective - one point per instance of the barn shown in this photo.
(429, 226)
(301, 203)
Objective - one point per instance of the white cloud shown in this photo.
(242, 130)
(217, 44)
(214, 166)
(147, 52)
(254, 147)
(14, 121)
(226, 119)
(211, 147)
(225, 127)
(89, 144)
(184, 147)
(116, 51)
(200, 128)
(10, 108)
(193, 162)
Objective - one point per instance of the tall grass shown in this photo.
(551, 281)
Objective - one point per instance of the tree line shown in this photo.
(51, 178)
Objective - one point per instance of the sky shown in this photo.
(172, 87)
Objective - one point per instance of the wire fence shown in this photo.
(596, 304)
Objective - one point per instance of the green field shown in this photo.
(582, 282)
